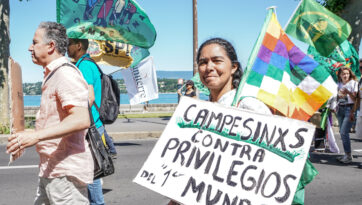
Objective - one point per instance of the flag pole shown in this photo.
(194, 24)
(291, 16)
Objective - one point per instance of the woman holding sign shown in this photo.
(220, 72)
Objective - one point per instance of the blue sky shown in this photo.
(238, 21)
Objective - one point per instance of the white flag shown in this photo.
(331, 140)
(141, 81)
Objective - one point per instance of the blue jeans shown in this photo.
(110, 143)
(95, 193)
(344, 126)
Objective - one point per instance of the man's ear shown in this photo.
(79, 46)
(51, 47)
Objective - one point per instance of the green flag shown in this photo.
(198, 84)
(114, 20)
(317, 26)
(343, 55)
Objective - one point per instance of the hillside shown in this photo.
(166, 80)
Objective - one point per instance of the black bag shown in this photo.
(103, 164)
(110, 99)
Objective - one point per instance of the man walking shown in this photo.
(66, 164)
(77, 49)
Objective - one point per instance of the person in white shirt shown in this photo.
(358, 105)
(346, 97)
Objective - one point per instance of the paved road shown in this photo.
(335, 184)
(18, 185)
(138, 124)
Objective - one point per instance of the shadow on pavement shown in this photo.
(126, 144)
(330, 159)
(127, 120)
(160, 123)
(356, 139)
(105, 191)
(165, 117)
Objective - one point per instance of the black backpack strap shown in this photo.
(91, 60)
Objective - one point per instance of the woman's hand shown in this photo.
(179, 92)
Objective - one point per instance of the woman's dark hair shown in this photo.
(230, 51)
(352, 76)
(190, 82)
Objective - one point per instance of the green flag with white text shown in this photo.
(317, 26)
(113, 20)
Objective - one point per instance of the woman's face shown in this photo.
(345, 76)
(215, 68)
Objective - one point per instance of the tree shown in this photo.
(349, 10)
(4, 62)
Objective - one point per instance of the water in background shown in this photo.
(187, 75)
(163, 98)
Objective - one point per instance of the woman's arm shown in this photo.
(179, 92)
(355, 107)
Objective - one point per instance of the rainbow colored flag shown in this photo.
(283, 77)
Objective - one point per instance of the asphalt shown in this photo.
(133, 128)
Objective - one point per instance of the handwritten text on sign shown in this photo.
(210, 154)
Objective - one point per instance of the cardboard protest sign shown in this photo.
(210, 154)
(16, 97)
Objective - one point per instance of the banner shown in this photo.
(283, 77)
(210, 154)
(317, 26)
(141, 81)
(114, 20)
(116, 54)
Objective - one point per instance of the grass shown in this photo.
(30, 120)
(145, 115)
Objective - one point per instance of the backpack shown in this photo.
(110, 97)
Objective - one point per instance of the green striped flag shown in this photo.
(114, 20)
(317, 26)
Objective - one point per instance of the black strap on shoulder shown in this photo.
(91, 60)
(52, 73)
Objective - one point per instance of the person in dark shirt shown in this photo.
(190, 89)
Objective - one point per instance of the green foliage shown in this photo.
(164, 86)
(29, 122)
(336, 6)
(32, 88)
(4, 129)
(167, 85)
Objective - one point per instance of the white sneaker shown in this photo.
(340, 157)
(346, 159)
